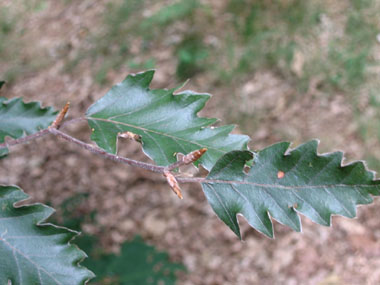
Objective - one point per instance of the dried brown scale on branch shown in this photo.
(173, 183)
(188, 158)
(194, 156)
(61, 115)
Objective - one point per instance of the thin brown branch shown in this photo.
(72, 121)
(41, 133)
(193, 179)
(172, 180)
(101, 152)
(25, 139)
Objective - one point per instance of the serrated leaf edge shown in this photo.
(288, 151)
(226, 129)
(38, 105)
(41, 223)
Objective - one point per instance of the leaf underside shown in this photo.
(282, 182)
(18, 119)
(167, 123)
(35, 253)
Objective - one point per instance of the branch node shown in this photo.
(173, 183)
(61, 115)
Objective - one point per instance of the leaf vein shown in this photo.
(150, 103)
(17, 264)
(224, 207)
(281, 208)
(102, 134)
(159, 147)
(30, 260)
(158, 133)
(249, 202)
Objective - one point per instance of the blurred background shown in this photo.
(289, 70)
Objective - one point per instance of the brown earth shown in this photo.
(130, 201)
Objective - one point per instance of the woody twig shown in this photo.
(166, 171)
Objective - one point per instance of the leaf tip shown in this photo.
(142, 79)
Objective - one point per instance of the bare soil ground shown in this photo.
(131, 201)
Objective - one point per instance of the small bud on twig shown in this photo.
(173, 183)
(193, 156)
(61, 115)
(188, 158)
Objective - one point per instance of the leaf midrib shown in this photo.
(15, 249)
(210, 182)
(156, 132)
(285, 186)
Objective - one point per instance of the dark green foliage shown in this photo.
(18, 119)
(167, 123)
(168, 14)
(191, 54)
(3, 152)
(119, 14)
(109, 48)
(74, 212)
(282, 183)
(267, 30)
(137, 264)
(32, 252)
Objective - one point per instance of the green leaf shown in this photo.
(137, 263)
(2, 84)
(282, 182)
(32, 252)
(167, 123)
(18, 119)
(3, 152)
